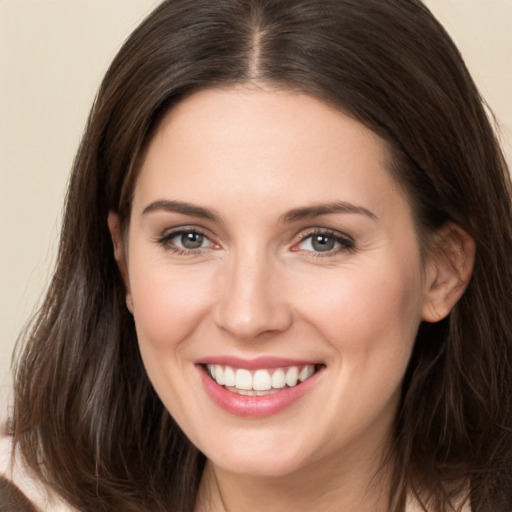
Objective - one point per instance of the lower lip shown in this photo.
(256, 406)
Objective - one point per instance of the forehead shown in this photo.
(257, 143)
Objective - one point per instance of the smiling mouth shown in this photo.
(259, 382)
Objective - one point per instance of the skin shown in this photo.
(257, 286)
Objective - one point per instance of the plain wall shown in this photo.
(53, 54)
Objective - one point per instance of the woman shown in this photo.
(283, 279)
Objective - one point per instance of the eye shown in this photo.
(324, 242)
(190, 240)
(185, 240)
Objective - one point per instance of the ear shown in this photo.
(114, 226)
(448, 271)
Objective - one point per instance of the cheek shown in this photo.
(370, 320)
(368, 313)
(168, 303)
(168, 306)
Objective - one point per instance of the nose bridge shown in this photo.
(251, 301)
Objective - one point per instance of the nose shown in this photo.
(251, 302)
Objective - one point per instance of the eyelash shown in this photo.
(165, 241)
(345, 243)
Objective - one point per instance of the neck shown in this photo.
(348, 484)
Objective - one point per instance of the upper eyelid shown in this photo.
(323, 231)
(169, 232)
(345, 243)
(165, 240)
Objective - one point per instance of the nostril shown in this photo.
(251, 324)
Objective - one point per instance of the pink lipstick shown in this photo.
(257, 387)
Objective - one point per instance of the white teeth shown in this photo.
(306, 372)
(260, 382)
(291, 376)
(252, 392)
(278, 379)
(229, 376)
(263, 393)
(243, 379)
(219, 374)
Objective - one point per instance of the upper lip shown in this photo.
(255, 363)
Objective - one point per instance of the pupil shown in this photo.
(323, 243)
(192, 240)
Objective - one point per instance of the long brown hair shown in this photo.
(86, 417)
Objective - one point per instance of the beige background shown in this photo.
(53, 54)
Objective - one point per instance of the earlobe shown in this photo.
(448, 271)
(114, 226)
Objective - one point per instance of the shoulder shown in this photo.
(20, 491)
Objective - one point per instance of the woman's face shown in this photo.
(268, 242)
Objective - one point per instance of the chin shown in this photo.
(273, 457)
(260, 467)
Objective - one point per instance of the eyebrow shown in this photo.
(294, 215)
(181, 207)
(316, 210)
